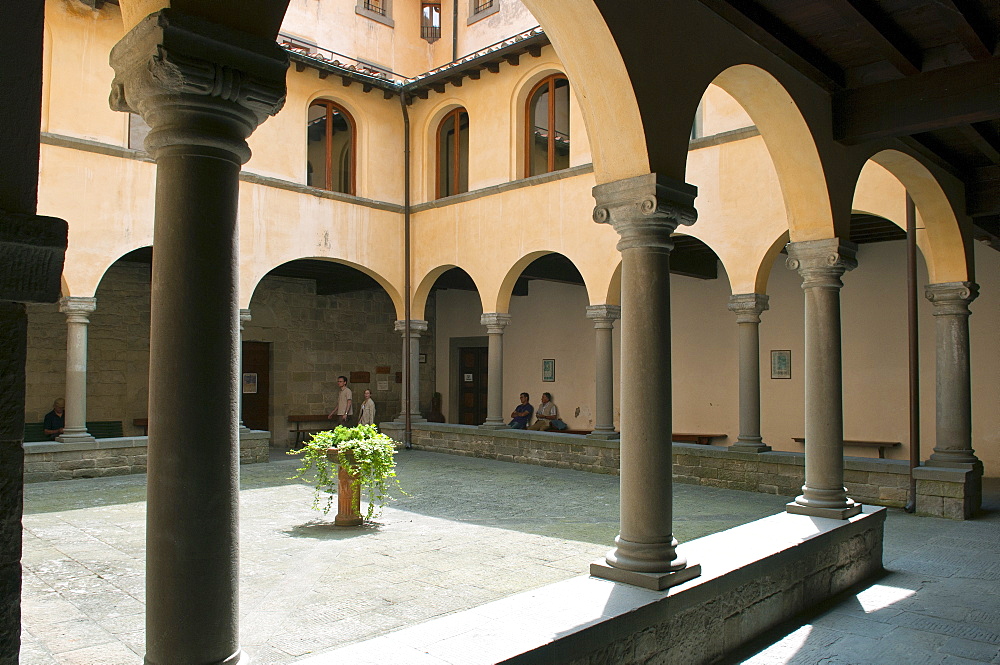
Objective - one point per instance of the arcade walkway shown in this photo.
(470, 532)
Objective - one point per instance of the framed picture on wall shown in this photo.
(781, 364)
(549, 369)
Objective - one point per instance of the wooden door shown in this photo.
(255, 384)
(472, 378)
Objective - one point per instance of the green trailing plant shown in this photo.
(366, 454)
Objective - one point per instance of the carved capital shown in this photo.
(645, 210)
(77, 309)
(604, 316)
(244, 318)
(416, 327)
(32, 252)
(748, 306)
(197, 83)
(821, 263)
(495, 322)
(952, 298)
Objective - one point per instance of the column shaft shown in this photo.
(748, 308)
(411, 397)
(953, 444)
(244, 319)
(77, 311)
(495, 324)
(821, 264)
(645, 211)
(200, 114)
(604, 367)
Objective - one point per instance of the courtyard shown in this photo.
(470, 532)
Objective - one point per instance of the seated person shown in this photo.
(521, 415)
(548, 415)
(54, 421)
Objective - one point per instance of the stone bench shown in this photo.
(301, 432)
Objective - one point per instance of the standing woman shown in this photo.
(367, 416)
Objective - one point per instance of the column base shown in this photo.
(954, 461)
(238, 658)
(850, 510)
(492, 424)
(654, 581)
(750, 447)
(75, 437)
(604, 434)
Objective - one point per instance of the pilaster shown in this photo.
(645, 211)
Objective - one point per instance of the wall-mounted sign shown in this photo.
(249, 383)
(549, 369)
(781, 364)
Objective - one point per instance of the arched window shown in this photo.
(547, 126)
(453, 154)
(330, 149)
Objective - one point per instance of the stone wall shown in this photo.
(882, 482)
(51, 460)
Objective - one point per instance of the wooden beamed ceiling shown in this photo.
(926, 71)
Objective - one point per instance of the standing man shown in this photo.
(521, 415)
(345, 406)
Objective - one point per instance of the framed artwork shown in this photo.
(423, 357)
(249, 383)
(549, 369)
(781, 364)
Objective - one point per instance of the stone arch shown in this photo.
(614, 296)
(506, 290)
(596, 69)
(85, 284)
(791, 145)
(764, 267)
(254, 280)
(423, 290)
(941, 241)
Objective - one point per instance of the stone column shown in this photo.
(202, 88)
(954, 389)
(77, 311)
(244, 319)
(495, 323)
(411, 397)
(645, 211)
(748, 307)
(821, 263)
(604, 317)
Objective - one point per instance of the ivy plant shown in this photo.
(364, 452)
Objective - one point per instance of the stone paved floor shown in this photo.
(471, 531)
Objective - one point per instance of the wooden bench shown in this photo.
(99, 429)
(301, 432)
(143, 423)
(702, 439)
(881, 445)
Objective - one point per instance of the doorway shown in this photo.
(470, 380)
(255, 385)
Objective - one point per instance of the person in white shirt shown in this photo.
(547, 415)
(367, 414)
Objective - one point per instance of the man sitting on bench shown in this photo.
(547, 415)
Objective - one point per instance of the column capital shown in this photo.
(645, 209)
(77, 309)
(951, 298)
(244, 317)
(604, 316)
(495, 322)
(222, 82)
(417, 326)
(35, 248)
(821, 263)
(748, 306)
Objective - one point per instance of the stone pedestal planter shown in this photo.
(348, 500)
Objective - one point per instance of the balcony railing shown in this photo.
(430, 32)
(481, 6)
(376, 6)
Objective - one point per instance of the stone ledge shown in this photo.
(753, 577)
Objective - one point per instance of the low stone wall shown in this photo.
(51, 460)
(881, 482)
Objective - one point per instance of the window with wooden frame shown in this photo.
(547, 126)
(453, 154)
(330, 150)
(430, 21)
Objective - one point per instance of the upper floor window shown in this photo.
(547, 127)
(377, 10)
(330, 148)
(482, 8)
(430, 21)
(453, 154)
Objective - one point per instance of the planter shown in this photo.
(348, 500)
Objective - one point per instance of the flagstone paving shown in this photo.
(471, 531)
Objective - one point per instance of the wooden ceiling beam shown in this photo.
(959, 17)
(984, 143)
(878, 30)
(982, 192)
(938, 99)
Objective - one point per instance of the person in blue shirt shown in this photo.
(521, 415)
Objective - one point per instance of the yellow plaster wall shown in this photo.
(721, 113)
